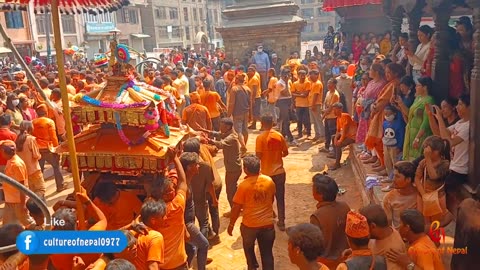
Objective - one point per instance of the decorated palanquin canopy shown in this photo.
(128, 125)
(331, 5)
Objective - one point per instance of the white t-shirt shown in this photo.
(459, 158)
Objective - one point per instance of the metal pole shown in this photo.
(66, 109)
(47, 33)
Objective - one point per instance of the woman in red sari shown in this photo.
(393, 73)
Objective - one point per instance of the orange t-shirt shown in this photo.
(345, 121)
(17, 170)
(173, 231)
(201, 90)
(150, 248)
(316, 88)
(254, 81)
(300, 88)
(272, 83)
(256, 194)
(125, 209)
(44, 131)
(425, 255)
(210, 100)
(65, 261)
(272, 145)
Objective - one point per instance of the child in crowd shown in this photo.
(404, 194)
(393, 135)
(430, 180)
(372, 48)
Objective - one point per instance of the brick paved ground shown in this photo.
(302, 163)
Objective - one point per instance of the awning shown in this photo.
(331, 5)
(5, 50)
(140, 35)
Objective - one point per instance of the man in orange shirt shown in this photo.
(255, 196)
(65, 261)
(422, 253)
(315, 99)
(300, 91)
(254, 84)
(271, 109)
(150, 77)
(172, 226)
(346, 130)
(44, 131)
(271, 147)
(212, 101)
(15, 209)
(196, 115)
(120, 207)
(150, 247)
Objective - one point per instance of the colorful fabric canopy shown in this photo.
(69, 6)
(331, 5)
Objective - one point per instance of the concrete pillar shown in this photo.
(474, 175)
(441, 60)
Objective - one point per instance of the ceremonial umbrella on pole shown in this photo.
(67, 6)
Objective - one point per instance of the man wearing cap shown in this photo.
(196, 115)
(305, 245)
(358, 236)
(262, 62)
(45, 131)
(346, 132)
(15, 209)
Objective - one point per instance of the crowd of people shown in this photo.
(419, 147)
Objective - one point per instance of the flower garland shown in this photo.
(129, 84)
(122, 135)
(115, 106)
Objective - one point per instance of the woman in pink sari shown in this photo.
(373, 88)
(393, 73)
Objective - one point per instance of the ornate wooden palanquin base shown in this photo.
(102, 150)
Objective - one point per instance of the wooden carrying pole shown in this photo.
(66, 109)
